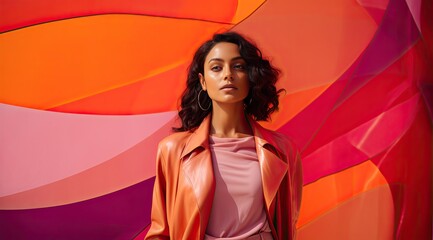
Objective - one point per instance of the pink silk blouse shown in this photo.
(238, 205)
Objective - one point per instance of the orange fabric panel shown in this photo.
(369, 215)
(18, 13)
(337, 188)
(101, 53)
(157, 93)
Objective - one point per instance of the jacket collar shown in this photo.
(273, 168)
(200, 136)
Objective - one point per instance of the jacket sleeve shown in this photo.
(159, 227)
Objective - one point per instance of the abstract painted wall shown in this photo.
(88, 88)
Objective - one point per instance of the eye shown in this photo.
(239, 66)
(215, 68)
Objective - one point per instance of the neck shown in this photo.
(229, 120)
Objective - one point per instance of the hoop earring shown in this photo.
(199, 104)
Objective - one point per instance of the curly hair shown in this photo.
(262, 99)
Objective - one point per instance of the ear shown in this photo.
(202, 82)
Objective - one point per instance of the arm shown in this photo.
(159, 226)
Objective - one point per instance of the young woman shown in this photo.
(222, 175)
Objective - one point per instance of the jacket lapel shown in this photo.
(197, 167)
(273, 168)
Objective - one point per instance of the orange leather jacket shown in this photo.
(184, 184)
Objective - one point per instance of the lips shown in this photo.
(228, 86)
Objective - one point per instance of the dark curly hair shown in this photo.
(262, 99)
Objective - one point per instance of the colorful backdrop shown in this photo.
(88, 88)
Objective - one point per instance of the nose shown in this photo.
(228, 74)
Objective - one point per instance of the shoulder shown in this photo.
(174, 140)
(170, 149)
(274, 137)
(281, 142)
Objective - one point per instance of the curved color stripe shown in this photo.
(337, 188)
(119, 215)
(22, 13)
(387, 46)
(362, 143)
(389, 88)
(157, 93)
(128, 168)
(100, 53)
(53, 146)
(369, 215)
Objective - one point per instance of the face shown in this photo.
(225, 75)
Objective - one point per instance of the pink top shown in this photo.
(238, 207)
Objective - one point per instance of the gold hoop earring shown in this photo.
(199, 104)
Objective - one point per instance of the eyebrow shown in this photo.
(221, 60)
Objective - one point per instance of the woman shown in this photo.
(222, 175)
